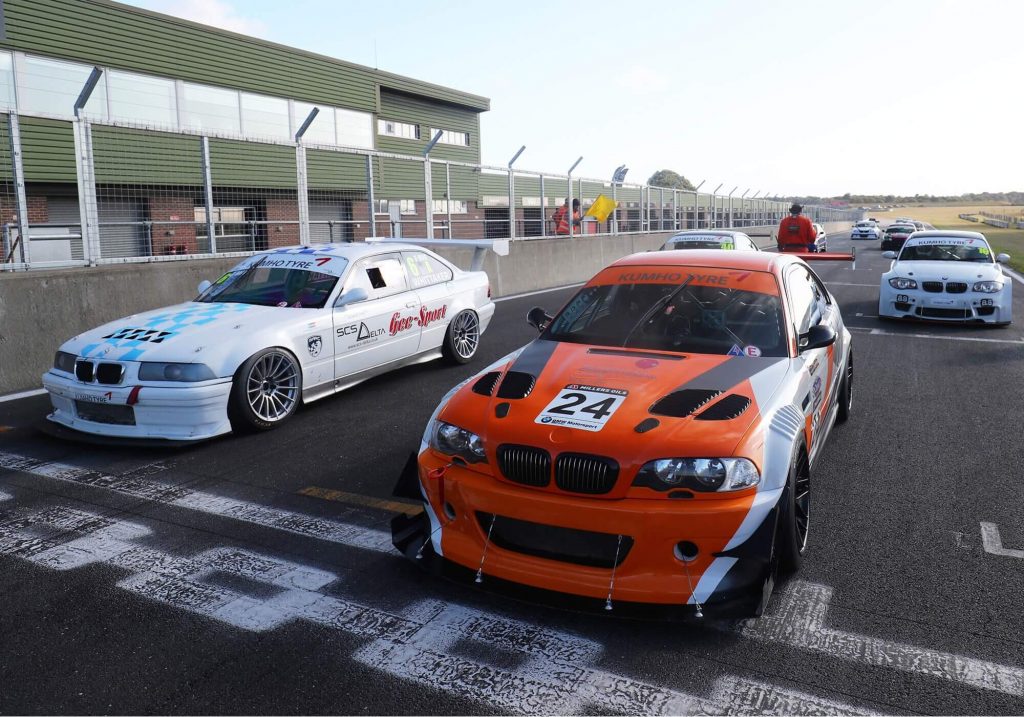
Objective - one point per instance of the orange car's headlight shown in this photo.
(703, 474)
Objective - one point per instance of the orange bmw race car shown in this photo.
(653, 445)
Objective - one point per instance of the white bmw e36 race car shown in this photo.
(946, 276)
(285, 326)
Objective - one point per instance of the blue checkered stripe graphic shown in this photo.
(162, 327)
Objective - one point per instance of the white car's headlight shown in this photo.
(64, 361)
(902, 283)
(988, 287)
(187, 372)
(457, 442)
(703, 474)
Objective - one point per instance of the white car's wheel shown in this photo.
(265, 391)
(462, 339)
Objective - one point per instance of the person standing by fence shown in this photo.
(561, 216)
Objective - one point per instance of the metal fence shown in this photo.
(94, 193)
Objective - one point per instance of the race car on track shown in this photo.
(820, 239)
(285, 326)
(709, 239)
(865, 230)
(947, 276)
(895, 235)
(653, 446)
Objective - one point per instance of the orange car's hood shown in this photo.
(502, 406)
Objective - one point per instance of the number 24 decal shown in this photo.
(598, 409)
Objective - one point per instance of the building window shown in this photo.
(398, 129)
(51, 87)
(143, 99)
(6, 80)
(211, 108)
(405, 206)
(355, 129)
(265, 117)
(458, 206)
(321, 131)
(448, 137)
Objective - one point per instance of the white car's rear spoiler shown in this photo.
(480, 246)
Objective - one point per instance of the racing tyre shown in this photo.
(265, 391)
(846, 392)
(462, 339)
(793, 520)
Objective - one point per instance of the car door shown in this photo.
(811, 305)
(432, 280)
(383, 327)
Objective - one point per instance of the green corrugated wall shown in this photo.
(116, 35)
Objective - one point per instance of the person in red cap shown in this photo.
(796, 233)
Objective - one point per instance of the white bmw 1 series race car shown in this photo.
(946, 276)
(285, 326)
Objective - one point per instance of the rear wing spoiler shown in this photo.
(827, 256)
(480, 246)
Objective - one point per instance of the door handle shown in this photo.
(411, 305)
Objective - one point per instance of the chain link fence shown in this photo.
(90, 192)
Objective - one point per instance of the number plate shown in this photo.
(587, 408)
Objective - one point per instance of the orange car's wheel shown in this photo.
(794, 520)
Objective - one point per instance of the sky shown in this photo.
(789, 97)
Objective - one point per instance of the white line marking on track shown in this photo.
(974, 339)
(538, 291)
(798, 619)
(993, 542)
(333, 531)
(554, 670)
(23, 394)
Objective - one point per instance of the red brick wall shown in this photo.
(286, 211)
(173, 238)
(37, 211)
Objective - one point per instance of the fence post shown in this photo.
(675, 210)
(511, 203)
(85, 169)
(428, 190)
(543, 210)
(448, 196)
(18, 178)
(615, 211)
(302, 192)
(211, 226)
(370, 199)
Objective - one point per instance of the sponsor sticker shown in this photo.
(752, 351)
(94, 398)
(314, 344)
(735, 351)
(583, 407)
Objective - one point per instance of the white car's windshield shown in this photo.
(865, 225)
(697, 244)
(959, 251)
(265, 286)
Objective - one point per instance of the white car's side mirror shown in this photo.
(203, 286)
(888, 255)
(352, 297)
(1003, 258)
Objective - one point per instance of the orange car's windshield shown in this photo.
(695, 314)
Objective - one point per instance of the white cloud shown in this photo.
(641, 79)
(212, 12)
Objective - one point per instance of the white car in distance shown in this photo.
(709, 239)
(282, 327)
(946, 276)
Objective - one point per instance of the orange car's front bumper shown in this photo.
(649, 569)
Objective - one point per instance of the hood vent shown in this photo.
(516, 385)
(680, 404)
(486, 383)
(732, 406)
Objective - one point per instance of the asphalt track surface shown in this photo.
(253, 574)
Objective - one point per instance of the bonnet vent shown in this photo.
(732, 406)
(485, 384)
(680, 404)
(516, 384)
